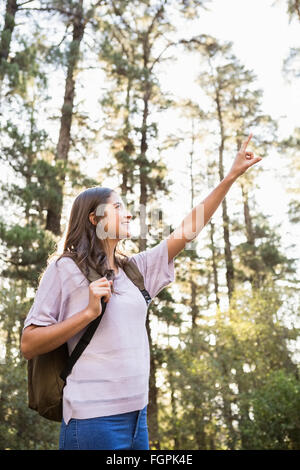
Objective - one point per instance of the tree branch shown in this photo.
(56, 10)
(24, 3)
(119, 14)
(157, 14)
(162, 52)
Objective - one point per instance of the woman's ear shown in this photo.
(92, 218)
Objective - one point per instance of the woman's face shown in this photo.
(116, 221)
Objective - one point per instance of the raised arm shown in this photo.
(194, 222)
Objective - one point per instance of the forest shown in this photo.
(84, 101)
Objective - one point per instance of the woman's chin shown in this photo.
(125, 234)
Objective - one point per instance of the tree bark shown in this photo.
(170, 377)
(256, 278)
(9, 24)
(214, 263)
(128, 146)
(142, 161)
(62, 151)
(228, 253)
(154, 441)
(247, 216)
(142, 171)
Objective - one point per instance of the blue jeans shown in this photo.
(125, 431)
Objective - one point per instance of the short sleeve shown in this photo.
(155, 268)
(46, 306)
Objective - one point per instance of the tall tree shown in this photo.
(78, 23)
(132, 33)
(27, 155)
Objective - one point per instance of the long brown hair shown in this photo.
(81, 241)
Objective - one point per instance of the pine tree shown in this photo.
(131, 34)
(27, 158)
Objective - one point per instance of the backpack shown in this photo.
(47, 373)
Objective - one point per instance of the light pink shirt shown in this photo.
(112, 375)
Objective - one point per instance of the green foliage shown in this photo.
(275, 406)
(20, 427)
(233, 381)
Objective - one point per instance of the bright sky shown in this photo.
(261, 37)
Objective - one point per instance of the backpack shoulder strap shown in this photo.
(134, 274)
(82, 343)
(93, 275)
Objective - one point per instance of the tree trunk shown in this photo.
(226, 394)
(193, 303)
(142, 172)
(214, 263)
(256, 277)
(170, 378)
(126, 161)
(193, 285)
(5, 41)
(63, 145)
(9, 24)
(228, 253)
(244, 408)
(152, 407)
(247, 216)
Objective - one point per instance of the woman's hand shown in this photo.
(97, 289)
(243, 160)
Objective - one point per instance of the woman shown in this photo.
(106, 395)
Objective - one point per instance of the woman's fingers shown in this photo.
(102, 282)
(245, 143)
(249, 155)
(254, 160)
(102, 288)
(102, 292)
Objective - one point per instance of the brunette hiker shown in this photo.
(105, 397)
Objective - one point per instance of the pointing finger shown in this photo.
(246, 142)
